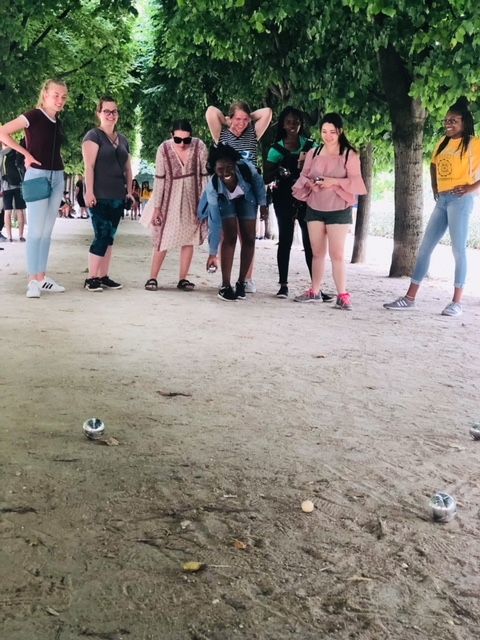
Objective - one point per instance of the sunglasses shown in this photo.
(107, 112)
(179, 140)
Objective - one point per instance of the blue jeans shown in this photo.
(453, 213)
(41, 218)
(105, 216)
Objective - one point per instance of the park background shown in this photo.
(228, 416)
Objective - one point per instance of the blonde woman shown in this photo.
(43, 136)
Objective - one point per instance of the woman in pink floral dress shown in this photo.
(171, 213)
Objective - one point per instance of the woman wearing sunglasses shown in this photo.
(180, 176)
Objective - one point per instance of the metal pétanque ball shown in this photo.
(93, 428)
(443, 506)
(475, 430)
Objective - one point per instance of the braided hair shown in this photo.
(460, 108)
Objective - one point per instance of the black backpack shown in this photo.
(11, 172)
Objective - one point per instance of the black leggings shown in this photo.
(286, 225)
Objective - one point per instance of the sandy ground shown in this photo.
(229, 415)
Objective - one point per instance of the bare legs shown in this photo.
(333, 236)
(246, 228)
(186, 256)
(21, 223)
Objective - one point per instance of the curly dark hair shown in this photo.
(289, 111)
(221, 152)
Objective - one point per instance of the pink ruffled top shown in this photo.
(336, 198)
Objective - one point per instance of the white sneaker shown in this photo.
(250, 286)
(49, 284)
(452, 309)
(33, 289)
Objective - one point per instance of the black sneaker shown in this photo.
(93, 284)
(227, 293)
(109, 283)
(326, 297)
(240, 291)
(283, 291)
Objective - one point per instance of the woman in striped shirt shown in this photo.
(241, 129)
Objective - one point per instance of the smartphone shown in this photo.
(318, 179)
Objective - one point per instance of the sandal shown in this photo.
(151, 285)
(185, 285)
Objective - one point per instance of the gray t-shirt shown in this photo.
(110, 165)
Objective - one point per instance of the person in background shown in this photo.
(181, 176)
(145, 193)
(284, 162)
(233, 195)
(43, 134)
(455, 178)
(80, 197)
(12, 191)
(135, 210)
(108, 171)
(329, 183)
(241, 129)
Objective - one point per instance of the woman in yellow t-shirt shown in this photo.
(455, 175)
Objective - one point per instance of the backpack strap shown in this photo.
(317, 151)
(245, 171)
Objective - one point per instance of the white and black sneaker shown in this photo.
(228, 294)
(93, 284)
(49, 284)
(109, 283)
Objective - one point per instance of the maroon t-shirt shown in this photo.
(39, 136)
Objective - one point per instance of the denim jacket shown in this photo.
(211, 202)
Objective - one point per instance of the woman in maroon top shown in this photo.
(43, 135)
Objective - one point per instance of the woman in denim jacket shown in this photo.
(233, 194)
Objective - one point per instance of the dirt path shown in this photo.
(366, 413)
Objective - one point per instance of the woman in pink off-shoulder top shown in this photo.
(329, 183)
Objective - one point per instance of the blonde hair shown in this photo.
(45, 87)
(239, 105)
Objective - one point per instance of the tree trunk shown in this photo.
(408, 120)
(364, 206)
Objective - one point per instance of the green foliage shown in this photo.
(85, 42)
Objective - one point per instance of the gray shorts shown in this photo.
(344, 216)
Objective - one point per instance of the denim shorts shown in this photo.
(344, 216)
(236, 208)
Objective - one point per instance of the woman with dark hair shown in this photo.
(284, 162)
(330, 183)
(233, 194)
(171, 213)
(44, 137)
(455, 178)
(108, 177)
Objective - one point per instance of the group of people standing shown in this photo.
(216, 195)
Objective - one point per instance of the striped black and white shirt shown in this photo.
(246, 144)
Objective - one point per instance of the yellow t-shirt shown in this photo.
(453, 169)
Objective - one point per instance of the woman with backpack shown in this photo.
(329, 183)
(233, 194)
(282, 169)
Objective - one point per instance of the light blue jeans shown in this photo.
(41, 218)
(453, 213)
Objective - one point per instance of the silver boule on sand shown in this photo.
(443, 507)
(475, 430)
(93, 428)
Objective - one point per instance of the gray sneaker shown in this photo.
(308, 296)
(399, 304)
(452, 309)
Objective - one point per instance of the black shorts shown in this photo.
(13, 199)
